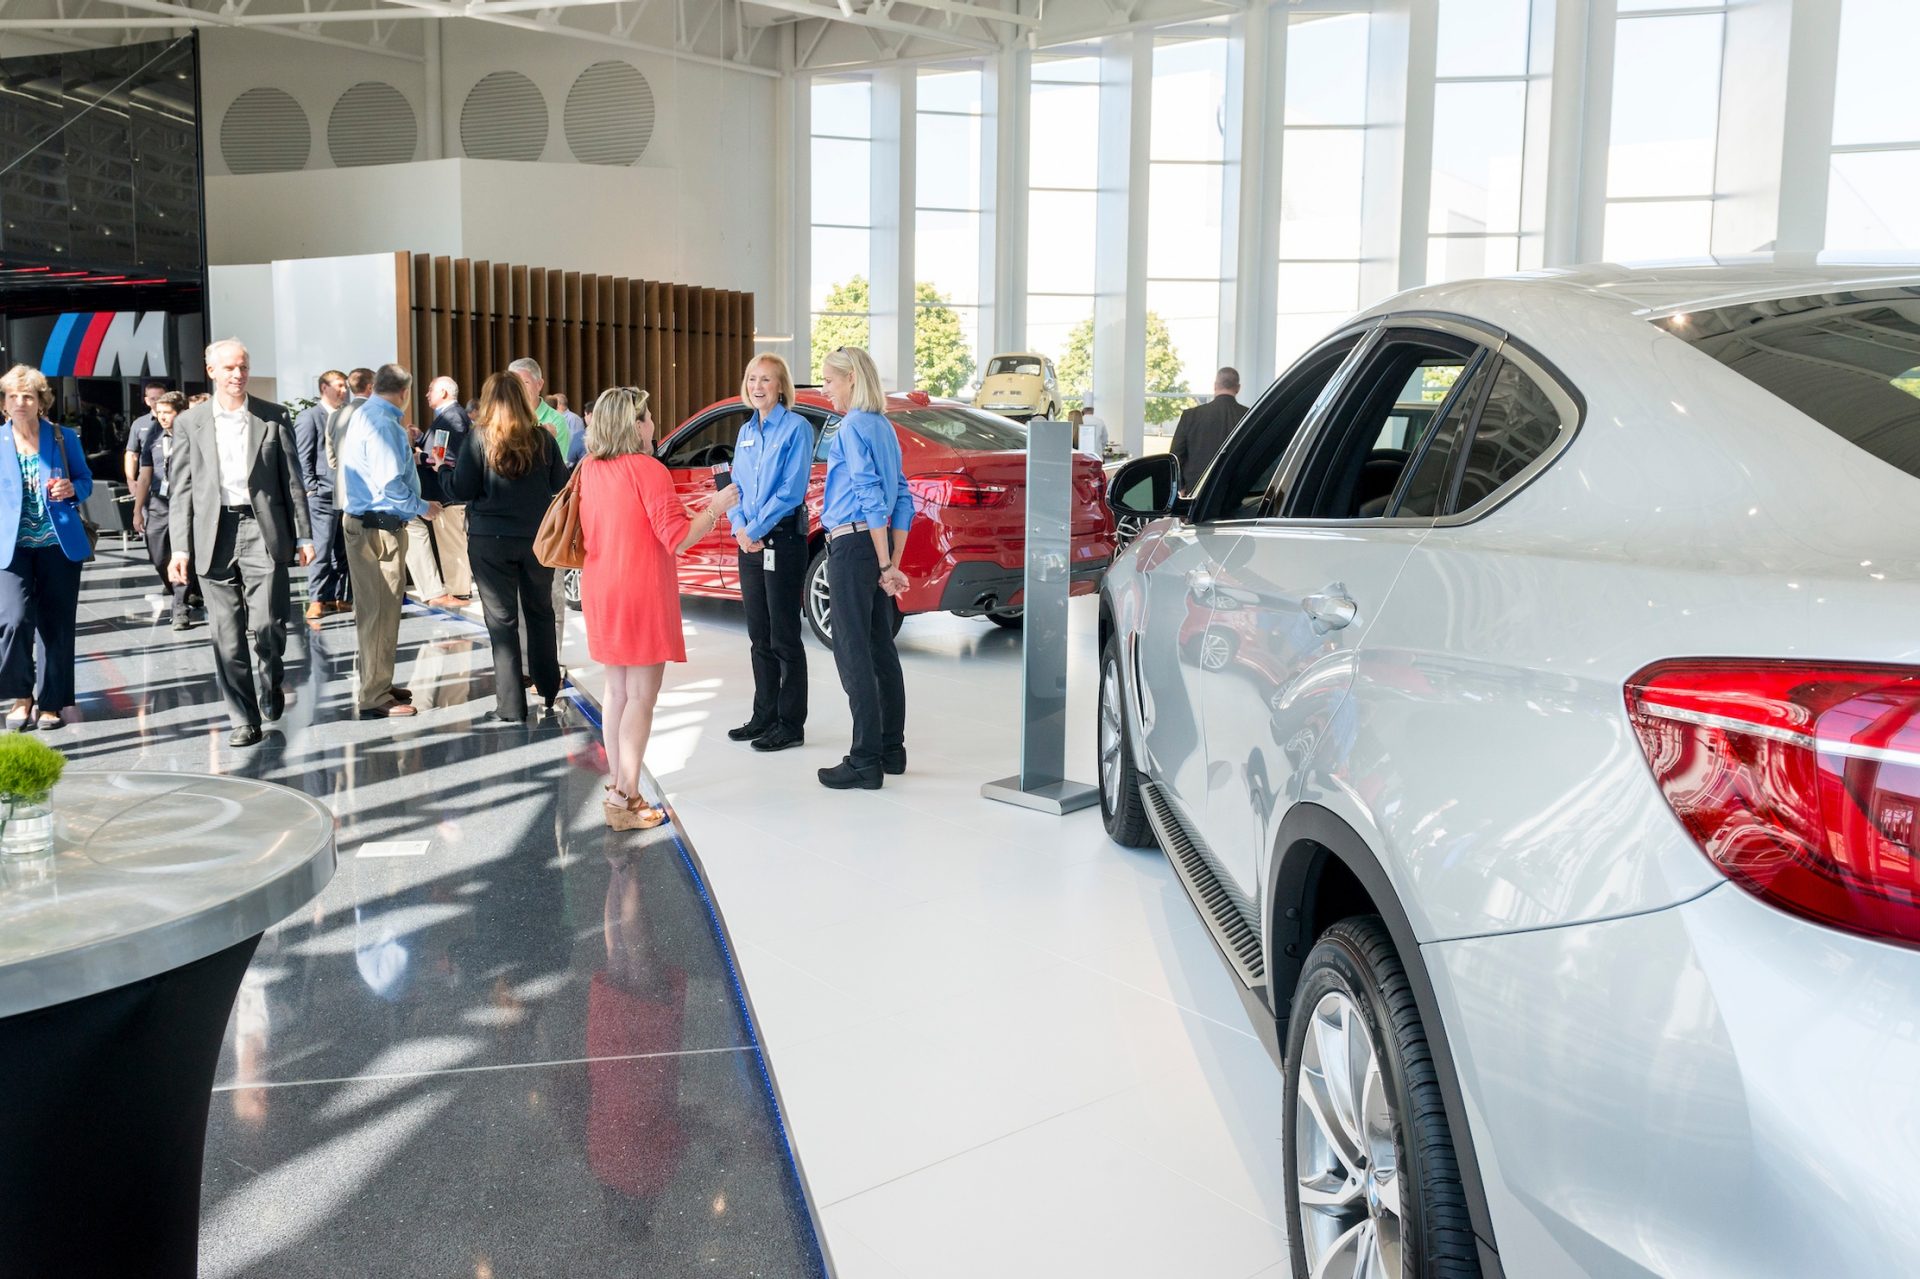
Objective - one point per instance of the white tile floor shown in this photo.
(1006, 1045)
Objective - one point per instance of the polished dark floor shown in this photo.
(505, 1041)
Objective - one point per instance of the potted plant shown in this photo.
(28, 771)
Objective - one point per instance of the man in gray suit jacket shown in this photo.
(239, 509)
(1204, 428)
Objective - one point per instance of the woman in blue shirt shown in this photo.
(868, 511)
(43, 478)
(772, 465)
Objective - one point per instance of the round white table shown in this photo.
(120, 956)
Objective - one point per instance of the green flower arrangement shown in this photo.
(29, 770)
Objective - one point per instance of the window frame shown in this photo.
(1499, 345)
(664, 452)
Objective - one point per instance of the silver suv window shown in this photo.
(1850, 364)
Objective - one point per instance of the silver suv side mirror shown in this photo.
(1147, 488)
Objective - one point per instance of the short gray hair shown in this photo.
(212, 347)
(447, 385)
(531, 367)
(390, 379)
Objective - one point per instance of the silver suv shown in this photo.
(1528, 696)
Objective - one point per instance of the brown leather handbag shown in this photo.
(560, 542)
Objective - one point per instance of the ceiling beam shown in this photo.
(966, 9)
(867, 20)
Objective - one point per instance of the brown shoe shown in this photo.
(316, 611)
(388, 710)
(402, 694)
(339, 606)
(447, 601)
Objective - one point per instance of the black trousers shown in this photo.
(511, 582)
(39, 597)
(246, 590)
(863, 650)
(773, 601)
(160, 551)
(327, 575)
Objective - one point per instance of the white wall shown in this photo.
(333, 313)
(698, 208)
(240, 305)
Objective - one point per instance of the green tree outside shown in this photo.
(942, 362)
(1164, 375)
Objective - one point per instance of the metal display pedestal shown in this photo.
(1041, 783)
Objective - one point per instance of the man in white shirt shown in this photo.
(240, 518)
(1093, 433)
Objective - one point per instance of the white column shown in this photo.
(1250, 244)
(1596, 125)
(1006, 92)
(792, 309)
(891, 296)
(433, 137)
(1806, 152)
(1120, 237)
(1416, 159)
(1752, 125)
(1400, 49)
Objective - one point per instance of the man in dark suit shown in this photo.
(1205, 427)
(239, 509)
(327, 576)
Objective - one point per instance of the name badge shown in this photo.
(766, 559)
(746, 442)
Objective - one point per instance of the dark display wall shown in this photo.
(100, 165)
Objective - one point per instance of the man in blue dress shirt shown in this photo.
(380, 492)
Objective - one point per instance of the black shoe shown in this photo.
(779, 738)
(245, 735)
(844, 776)
(494, 719)
(182, 622)
(748, 731)
(893, 763)
(273, 705)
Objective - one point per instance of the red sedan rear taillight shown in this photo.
(1799, 780)
(955, 488)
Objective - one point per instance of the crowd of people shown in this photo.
(230, 492)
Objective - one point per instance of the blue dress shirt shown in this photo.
(772, 464)
(866, 479)
(376, 464)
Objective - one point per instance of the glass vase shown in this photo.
(26, 828)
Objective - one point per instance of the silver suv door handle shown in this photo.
(1330, 610)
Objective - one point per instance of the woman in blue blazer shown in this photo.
(43, 480)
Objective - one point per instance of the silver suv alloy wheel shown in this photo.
(1343, 1156)
(1110, 735)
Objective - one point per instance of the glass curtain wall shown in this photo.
(1873, 186)
(1062, 212)
(1324, 161)
(1665, 122)
(948, 208)
(1479, 139)
(840, 297)
(1186, 186)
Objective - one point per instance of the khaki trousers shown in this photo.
(450, 539)
(427, 582)
(377, 567)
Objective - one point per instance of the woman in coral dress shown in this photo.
(634, 525)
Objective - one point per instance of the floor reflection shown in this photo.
(505, 1040)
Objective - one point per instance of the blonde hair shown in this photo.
(24, 377)
(858, 365)
(783, 374)
(614, 428)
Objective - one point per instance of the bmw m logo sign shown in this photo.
(102, 343)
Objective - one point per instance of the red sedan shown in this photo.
(967, 469)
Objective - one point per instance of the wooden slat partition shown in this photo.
(684, 344)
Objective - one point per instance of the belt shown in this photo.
(385, 521)
(857, 526)
(244, 512)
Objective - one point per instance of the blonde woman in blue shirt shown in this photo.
(772, 465)
(868, 511)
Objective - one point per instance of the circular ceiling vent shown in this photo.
(372, 123)
(609, 116)
(265, 131)
(504, 118)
